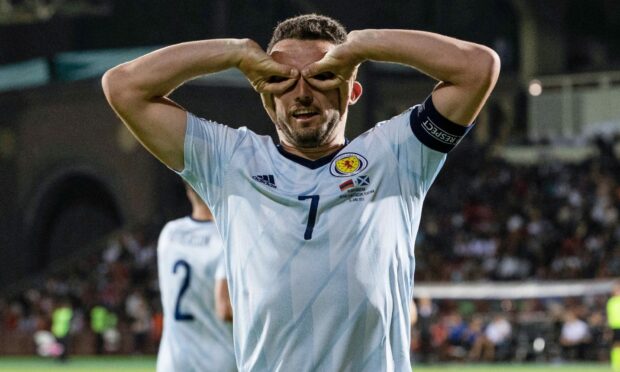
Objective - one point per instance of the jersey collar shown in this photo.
(312, 164)
(199, 221)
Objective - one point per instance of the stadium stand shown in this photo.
(545, 221)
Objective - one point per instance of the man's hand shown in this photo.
(336, 70)
(265, 74)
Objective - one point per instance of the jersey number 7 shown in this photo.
(314, 205)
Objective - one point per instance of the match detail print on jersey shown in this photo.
(434, 130)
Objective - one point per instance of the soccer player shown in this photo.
(318, 230)
(613, 319)
(197, 333)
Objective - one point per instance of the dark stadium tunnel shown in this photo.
(73, 211)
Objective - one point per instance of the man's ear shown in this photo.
(349, 96)
(269, 105)
(355, 93)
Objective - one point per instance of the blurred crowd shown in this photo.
(114, 296)
(542, 330)
(484, 219)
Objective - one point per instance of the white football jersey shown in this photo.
(319, 254)
(194, 338)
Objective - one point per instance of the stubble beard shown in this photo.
(309, 137)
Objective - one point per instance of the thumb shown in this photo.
(279, 69)
(324, 85)
(314, 69)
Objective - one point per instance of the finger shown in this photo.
(325, 85)
(273, 84)
(277, 87)
(315, 68)
(273, 68)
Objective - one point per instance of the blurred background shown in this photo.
(520, 235)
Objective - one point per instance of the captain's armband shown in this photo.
(434, 130)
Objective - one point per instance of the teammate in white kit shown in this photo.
(197, 333)
(318, 231)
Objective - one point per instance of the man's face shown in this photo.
(305, 116)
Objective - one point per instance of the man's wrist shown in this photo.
(241, 49)
(359, 42)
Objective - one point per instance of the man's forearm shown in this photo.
(137, 91)
(158, 73)
(467, 72)
(442, 57)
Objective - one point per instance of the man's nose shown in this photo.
(303, 92)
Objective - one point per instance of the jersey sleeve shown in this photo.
(207, 150)
(162, 240)
(162, 254)
(420, 139)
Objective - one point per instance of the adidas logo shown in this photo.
(266, 179)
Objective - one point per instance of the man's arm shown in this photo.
(138, 90)
(223, 307)
(467, 72)
(413, 311)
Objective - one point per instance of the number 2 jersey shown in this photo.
(189, 260)
(320, 254)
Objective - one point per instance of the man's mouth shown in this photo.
(304, 114)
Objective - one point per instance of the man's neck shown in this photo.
(202, 214)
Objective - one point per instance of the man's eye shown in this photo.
(325, 76)
(276, 79)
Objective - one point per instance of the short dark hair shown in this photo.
(309, 27)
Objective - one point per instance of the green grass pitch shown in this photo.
(147, 364)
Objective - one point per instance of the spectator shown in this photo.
(138, 311)
(426, 312)
(498, 336)
(574, 337)
(458, 334)
(475, 338)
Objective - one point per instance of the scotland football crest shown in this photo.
(348, 164)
